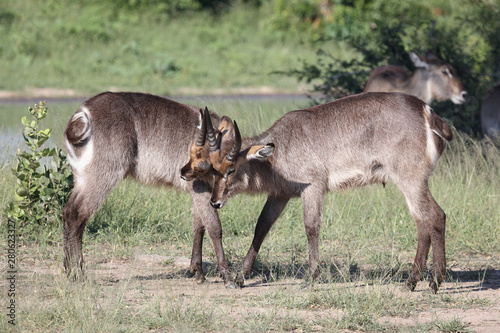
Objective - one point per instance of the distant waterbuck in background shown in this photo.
(146, 137)
(432, 80)
(354, 141)
(490, 113)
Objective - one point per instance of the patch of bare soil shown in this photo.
(148, 276)
(474, 301)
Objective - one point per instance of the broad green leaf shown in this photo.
(21, 192)
(25, 120)
(41, 141)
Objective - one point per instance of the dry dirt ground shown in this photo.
(153, 276)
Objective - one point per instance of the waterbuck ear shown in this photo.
(417, 60)
(225, 125)
(259, 152)
(227, 136)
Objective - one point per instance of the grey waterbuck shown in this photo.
(354, 141)
(114, 135)
(432, 80)
(490, 113)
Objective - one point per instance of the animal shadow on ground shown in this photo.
(481, 279)
(263, 274)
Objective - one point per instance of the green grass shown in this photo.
(91, 46)
(368, 240)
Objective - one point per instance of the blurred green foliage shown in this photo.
(465, 33)
(153, 44)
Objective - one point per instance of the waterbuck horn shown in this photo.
(212, 141)
(233, 154)
(200, 140)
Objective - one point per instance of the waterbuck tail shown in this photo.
(79, 127)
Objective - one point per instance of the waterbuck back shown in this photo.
(147, 137)
(433, 79)
(354, 141)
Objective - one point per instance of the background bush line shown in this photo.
(213, 46)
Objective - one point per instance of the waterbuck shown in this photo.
(354, 141)
(433, 79)
(114, 135)
(490, 113)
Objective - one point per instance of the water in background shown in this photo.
(10, 142)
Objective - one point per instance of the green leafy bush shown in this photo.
(41, 192)
(383, 32)
(172, 6)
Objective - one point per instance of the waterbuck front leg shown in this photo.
(211, 223)
(196, 255)
(312, 198)
(272, 210)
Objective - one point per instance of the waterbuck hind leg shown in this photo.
(80, 207)
(431, 221)
(438, 246)
(74, 224)
(89, 192)
(419, 264)
(272, 210)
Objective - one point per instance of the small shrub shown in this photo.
(41, 192)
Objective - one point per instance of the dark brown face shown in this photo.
(221, 161)
(197, 167)
(230, 176)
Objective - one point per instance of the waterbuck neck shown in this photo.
(420, 85)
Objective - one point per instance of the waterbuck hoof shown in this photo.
(410, 285)
(232, 285)
(433, 288)
(76, 275)
(239, 280)
(306, 286)
(198, 276)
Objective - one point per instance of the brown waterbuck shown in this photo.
(114, 135)
(432, 80)
(490, 113)
(354, 141)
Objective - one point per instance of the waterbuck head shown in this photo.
(197, 167)
(228, 161)
(223, 159)
(439, 77)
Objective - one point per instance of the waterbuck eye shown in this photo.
(230, 171)
(446, 71)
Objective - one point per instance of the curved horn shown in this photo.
(212, 141)
(233, 154)
(200, 140)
